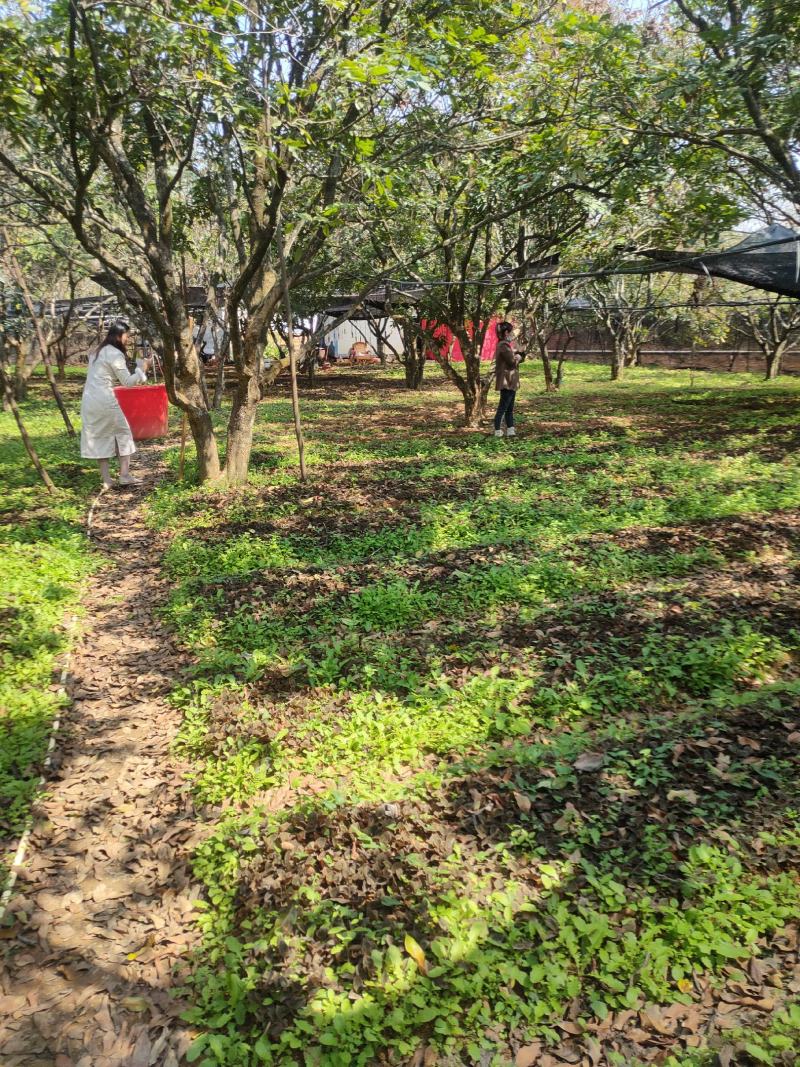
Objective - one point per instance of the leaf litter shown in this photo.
(107, 875)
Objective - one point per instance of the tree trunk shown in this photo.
(244, 406)
(48, 367)
(547, 367)
(774, 359)
(205, 444)
(562, 359)
(474, 391)
(287, 309)
(240, 434)
(617, 363)
(414, 357)
(24, 366)
(61, 363)
(473, 408)
(10, 403)
(183, 379)
(219, 382)
(414, 370)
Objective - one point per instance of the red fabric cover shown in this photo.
(146, 409)
(444, 336)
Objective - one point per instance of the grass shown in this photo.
(497, 741)
(44, 556)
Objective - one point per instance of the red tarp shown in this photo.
(444, 336)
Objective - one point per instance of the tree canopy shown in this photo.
(368, 142)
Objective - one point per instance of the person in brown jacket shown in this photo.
(506, 380)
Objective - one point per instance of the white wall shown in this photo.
(347, 333)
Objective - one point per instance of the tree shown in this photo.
(772, 325)
(249, 114)
(488, 218)
(10, 261)
(332, 100)
(415, 349)
(627, 306)
(742, 85)
(543, 313)
(10, 404)
(100, 130)
(39, 263)
(718, 79)
(460, 304)
(535, 174)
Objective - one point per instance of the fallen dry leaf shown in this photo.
(762, 1004)
(566, 1054)
(136, 1004)
(691, 1021)
(589, 761)
(141, 1051)
(652, 1017)
(416, 953)
(622, 1018)
(570, 1028)
(687, 795)
(523, 802)
(529, 1055)
(595, 1051)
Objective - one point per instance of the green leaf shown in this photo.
(262, 1049)
(197, 1048)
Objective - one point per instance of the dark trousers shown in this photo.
(505, 408)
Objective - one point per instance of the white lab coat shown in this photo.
(104, 429)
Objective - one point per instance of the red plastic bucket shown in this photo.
(146, 409)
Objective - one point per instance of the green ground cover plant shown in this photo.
(497, 740)
(44, 556)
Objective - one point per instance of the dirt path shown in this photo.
(106, 874)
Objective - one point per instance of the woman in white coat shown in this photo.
(104, 429)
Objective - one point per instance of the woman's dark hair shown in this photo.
(116, 331)
(503, 329)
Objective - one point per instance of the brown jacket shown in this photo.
(506, 374)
